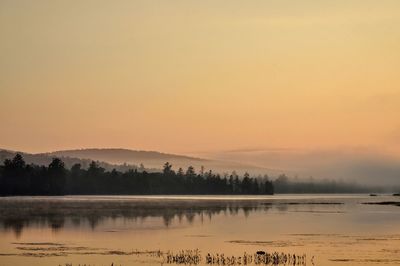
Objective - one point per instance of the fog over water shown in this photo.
(364, 166)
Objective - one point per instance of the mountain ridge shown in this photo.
(121, 158)
(120, 152)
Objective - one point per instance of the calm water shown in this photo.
(97, 230)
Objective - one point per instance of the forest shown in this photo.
(19, 178)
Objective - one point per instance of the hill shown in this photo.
(45, 159)
(154, 159)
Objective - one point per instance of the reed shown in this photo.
(193, 257)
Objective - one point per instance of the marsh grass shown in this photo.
(182, 257)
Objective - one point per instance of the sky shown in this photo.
(200, 76)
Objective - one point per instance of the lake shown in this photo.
(141, 230)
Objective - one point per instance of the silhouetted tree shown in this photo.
(190, 172)
(281, 183)
(268, 187)
(167, 170)
(57, 177)
(17, 178)
(246, 184)
(255, 189)
(180, 172)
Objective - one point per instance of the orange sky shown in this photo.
(195, 76)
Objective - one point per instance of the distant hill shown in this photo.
(45, 159)
(153, 159)
(124, 159)
(121, 156)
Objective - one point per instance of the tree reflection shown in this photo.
(56, 214)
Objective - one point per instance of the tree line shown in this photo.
(286, 185)
(19, 178)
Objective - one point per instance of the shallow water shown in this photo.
(136, 230)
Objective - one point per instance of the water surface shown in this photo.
(130, 230)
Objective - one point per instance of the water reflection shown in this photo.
(16, 214)
(337, 228)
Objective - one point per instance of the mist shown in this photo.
(358, 165)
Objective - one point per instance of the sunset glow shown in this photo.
(199, 76)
